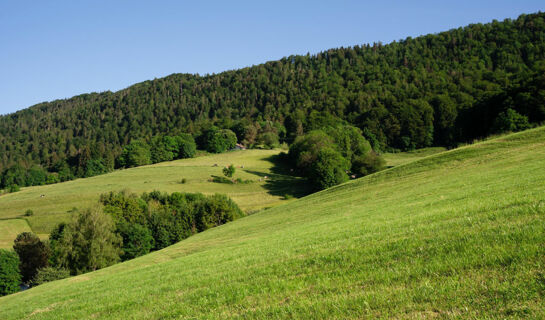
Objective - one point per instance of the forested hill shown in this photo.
(436, 89)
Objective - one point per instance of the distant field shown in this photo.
(9, 229)
(455, 235)
(52, 203)
(399, 158)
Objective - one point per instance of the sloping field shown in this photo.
(9, 229)
(460, 234)
(52, 204)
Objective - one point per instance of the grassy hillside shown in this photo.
(59, 199)
(399, 158)
(458, 234)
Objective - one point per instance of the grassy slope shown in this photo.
(399, 158)
(166, 176)
(9, 229)
(459, 234)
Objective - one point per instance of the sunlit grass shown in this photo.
(459, 234)
(53, 203)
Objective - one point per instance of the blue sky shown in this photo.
(57, 49)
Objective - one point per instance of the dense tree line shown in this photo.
(124, 227)
(136, 153)
(438, 89)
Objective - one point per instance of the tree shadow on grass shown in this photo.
(280, 182)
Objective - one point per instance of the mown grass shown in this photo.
(399, 158)
(52, 204)
(457, 235)
(9, 229)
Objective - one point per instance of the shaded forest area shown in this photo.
(440, 89)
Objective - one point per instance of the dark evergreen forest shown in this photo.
(440, 89)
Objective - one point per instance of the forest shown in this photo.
(435, 90)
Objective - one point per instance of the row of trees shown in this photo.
(438, 89)
(161, 148)
(328, 156)
(138, 152)
(124, 227)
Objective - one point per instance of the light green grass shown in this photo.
(59, 199)
(399, 158)
(9, 229)
(456, 235)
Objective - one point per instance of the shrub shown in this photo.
(13, 188)
(183, 181)
(329, 169)
(214, 211)
(217, 141)
(229, 171)
(10, 278)
(29, 213)
(33, 254)
(137, 240)
(510, 120)
(49, 274)
(370, 163)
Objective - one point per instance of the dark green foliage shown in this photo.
(229, 171)
(214, 211)
(157, 220)
(163, 148)
(36, 176)
(440, 89)
(29, 213)
(137, 240)
(167, 148)
(510, 120)
(137, 153)
(49, 274)
(186, 146)
(95, 167)
(33, 254)
(123, 206)
(10, 278)
(14, 176)
(348, 150)
(219, 140)
(329, 169)
(88, 243)
(54, 238)
(367, 164)
(13, 188)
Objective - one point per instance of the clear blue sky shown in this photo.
(57, 49)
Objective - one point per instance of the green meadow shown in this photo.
(458, 234)
(52, 204)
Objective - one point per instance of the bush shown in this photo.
(13, 188)
(137, 240)
(29, 213)
(217, 141)
(329, 169)
(10, 278)
(214, 211)
(33, 254)
(229, 171)
(511, 121)
(183, 181)
(49, 274)
(370, 163)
